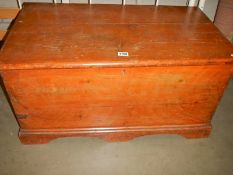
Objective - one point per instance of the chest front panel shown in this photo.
(113, 97)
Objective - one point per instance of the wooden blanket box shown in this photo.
(113, 72)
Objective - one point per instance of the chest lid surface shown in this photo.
(74, 35)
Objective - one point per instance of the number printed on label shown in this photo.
(123, 54)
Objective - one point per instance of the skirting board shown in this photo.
(43, 136)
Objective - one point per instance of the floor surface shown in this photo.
(148, 155)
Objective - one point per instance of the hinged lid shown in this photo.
(74, 35)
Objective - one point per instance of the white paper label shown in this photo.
(123, 54)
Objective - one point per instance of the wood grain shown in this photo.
(72, 36)
(116, 104)
(64, 78)
(102, 97)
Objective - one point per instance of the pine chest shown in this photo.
(113, 72)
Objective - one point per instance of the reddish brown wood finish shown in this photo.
(64, 78)
(112, 134)
(73, 36)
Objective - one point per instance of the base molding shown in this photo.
(116, 134)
